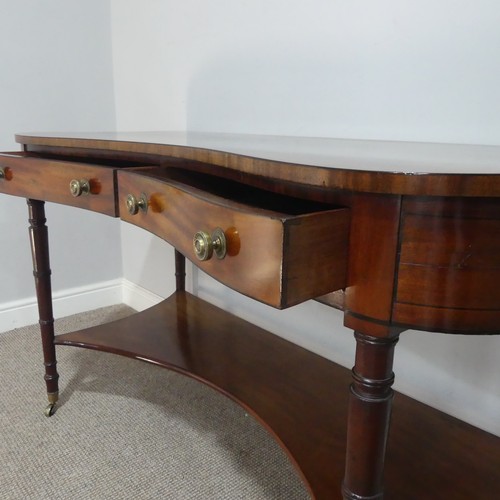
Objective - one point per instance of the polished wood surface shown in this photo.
(382, 167)
(290, 389)
(49, 180)
(449, 266)
(41, 271)
(273, 256)
(373, 249)
(403, 236)
(374, 298)
(370, 404)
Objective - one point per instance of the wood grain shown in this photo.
(373, 249)
(49, 180)
(449, 265)
(420, 251)
(318, 169)
(301, 398)
(274, 257)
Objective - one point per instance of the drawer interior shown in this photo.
(239, 194)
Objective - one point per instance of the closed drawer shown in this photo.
(449, 265)
(76, 184)
(279, 250)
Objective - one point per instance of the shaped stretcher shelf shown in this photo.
(301, 398)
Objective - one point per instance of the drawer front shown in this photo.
(92, 186)
(449, 266)
(277, 259)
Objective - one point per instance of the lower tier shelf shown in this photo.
(301, 398)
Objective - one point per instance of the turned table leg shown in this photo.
(369, 414)
(41, 271)
(180, 271)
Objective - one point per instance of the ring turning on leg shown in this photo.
(369, 415)
(41, 272)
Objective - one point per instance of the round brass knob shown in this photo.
(79, 187)
(135, 204)
(205, 245)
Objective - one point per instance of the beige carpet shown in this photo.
(126, 430)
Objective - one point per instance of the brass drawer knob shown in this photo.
(205, 245)
(79, 187)
(135, 204)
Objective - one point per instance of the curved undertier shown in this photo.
(301, 398)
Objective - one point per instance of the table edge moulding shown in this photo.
(397, 235)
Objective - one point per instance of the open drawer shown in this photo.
(276, 249)
(71, 183)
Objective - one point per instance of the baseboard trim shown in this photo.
(17, 314)
(138, 298)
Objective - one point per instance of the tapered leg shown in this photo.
(41, 271)
(369, 414)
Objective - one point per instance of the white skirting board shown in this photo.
(24, 312)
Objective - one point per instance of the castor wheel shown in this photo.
(50, 410)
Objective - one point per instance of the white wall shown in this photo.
(388, 69)
(55, 75)
(392, 69)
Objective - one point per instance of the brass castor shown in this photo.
(50, 409)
